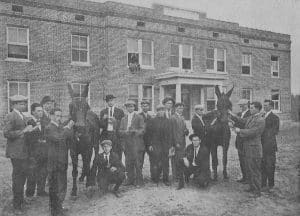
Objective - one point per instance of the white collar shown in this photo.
(131, 114)
(108, 154)
(34, 119)
(243, 113)
(268, 113)
(53, 122)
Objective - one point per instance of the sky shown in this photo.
(272, 15)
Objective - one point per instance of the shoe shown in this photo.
(242, 180)
(167, 183)
(117, 194)
(180, 185)
(42, 194)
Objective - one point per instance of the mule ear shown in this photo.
(85, 91)
(217, 91)
(70, 90)
(230, 92)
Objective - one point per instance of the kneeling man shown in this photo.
(197, 161)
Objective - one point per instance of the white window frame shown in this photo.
(28, 95)
(276, 101)
(181, 56)
(251, 93)
(17, 43)
(209, 99)
(249, 65)
(272, 71)
(140, 95)
(140, 52)
(79, 63)
(215, 70)
(81, 85)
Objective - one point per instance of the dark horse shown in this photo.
(86, 134)
(218, 133)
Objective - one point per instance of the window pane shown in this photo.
(22, 35)
(186, 50)
(132, 46)
(133, 58)
(275, 96)
(146, 59)
(275, 74)
(210, 53)
(147, 92)
(83, 56)
(245, 69)
(83, 42)
(75, 55)
(23, 89)
(246, 94)
(174, 61)
(210, 64)
(17, 51)
(76, 88)
(174, 50)
(221, 66)
(82, 86)
(274, 58)
(274, 65)
(13, 89)
(210, 93)
(186, 63)
(220, 54)
(75, 41)
(12, 34)
(146, 46)
(133, 91)
(246, 59)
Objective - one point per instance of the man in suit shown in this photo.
(108, 168)
(158, 131)
(16, 149)
(197, 156)
(251, 133)
(132, 129)
(269, 144)
(198, 124)
(245, 113)
(38, 152)
(168, 102)
(178, 133)
(47, 104)
(110, 119)
(56, 136)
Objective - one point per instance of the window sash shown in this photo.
(183, 57)
(17, 34)
(216, 60)
(142, 51)
(247, 94)
(81, 89)
(18, 85)
(139, 92)
(80, 53)
(275, 97)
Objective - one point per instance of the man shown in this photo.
(47, 104)
(197, 155)
(251, 132)
(132, 129)
(110, 119)
(245, 113)
(158, 131)
(168, 102)
(198, 124)
(269, 145)
(16, 149)
(108, 168)
(38, 152)
(178, 132)
(56, 137)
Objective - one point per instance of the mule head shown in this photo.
(223, 103)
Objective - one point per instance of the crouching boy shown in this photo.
(108, 169)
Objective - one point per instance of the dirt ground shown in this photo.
(222, 198)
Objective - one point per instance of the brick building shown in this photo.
(137, 53)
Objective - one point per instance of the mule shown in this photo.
(219, 133)
(86, 134)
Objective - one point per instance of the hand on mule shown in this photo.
(150, 148)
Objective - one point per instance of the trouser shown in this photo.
(57, 188)
(106, 178)
(201, 178)
(242, 161)
(179, 167)
(37, 178)
(254, 173)
(174, 166)
(159, 163)
(134, 168)
(268, 169)
(19, 174)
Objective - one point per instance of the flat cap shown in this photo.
(18, 98)
(109, 97)
(179, 104)
(165, 100)
(242, 102)
(199, 106)
(160, 107)
(46, 99)
(145, 102)
(106, 142)
(129, 102)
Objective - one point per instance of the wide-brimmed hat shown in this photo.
(46, 99)
(165, 100)
(129, 102)
(109, 97)
(106, 142)
(18, 98)
(199, 106)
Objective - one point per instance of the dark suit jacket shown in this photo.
(146, 121)
(268, 137)
(239, 140)
(16, 146)
(197, 126)
(132, 140)
(202, 158)
(118, 115)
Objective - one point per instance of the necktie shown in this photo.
(110, 112)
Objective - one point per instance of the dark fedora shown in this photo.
(145, 102)
(46, 99)
(109, 97)
(165, 100)
(194, 135)
(178, 104)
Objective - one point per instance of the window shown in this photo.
(140, 24)
(216, 59)
(140, 52)
(79, 17)
(18, 88)
(274, 66)
(17, 43)
(247, 94)
(246, 64)
(80, 48)
(246, 40)
(215, 34)
(78, 89)
(180, 29)
(210, 98)
(139, 92)
(181, 56)
(275, 97)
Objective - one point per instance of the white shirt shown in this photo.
(266, 115)
(168, 113)
(106, 156)
(200, 117)
(19, 113)
(130, 117)
(196, 150)
(53, 122)
(243, 113)
(111, 111)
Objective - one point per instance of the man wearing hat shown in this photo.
(168, 102)
(110, 119)
(198, 123)
(108, 168)
(158, 131)
(16, 149)
(132, 130)
(178, 132)
(244, 113)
